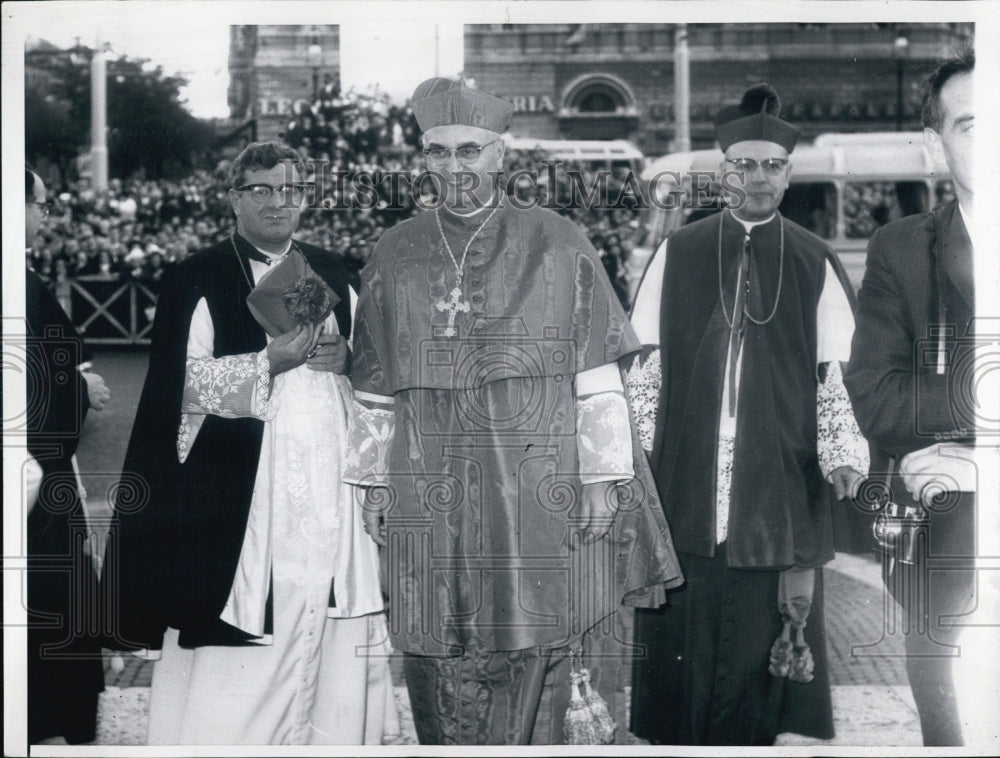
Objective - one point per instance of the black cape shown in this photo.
(178, 529)
(780, 512)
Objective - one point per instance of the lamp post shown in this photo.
(98, 117)
(900, 49)
(315, 58)
(682, 90)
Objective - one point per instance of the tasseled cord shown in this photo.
(588, 721)
(794, 660)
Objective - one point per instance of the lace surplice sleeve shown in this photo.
(839, 439)
(644, 376)
(233, 386)
(604, 439)
(643, 379)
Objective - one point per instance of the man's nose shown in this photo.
(453, 164)
(279, 199)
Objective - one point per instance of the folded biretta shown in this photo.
(755, 118)
(446, 102)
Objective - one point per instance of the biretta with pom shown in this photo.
(445, 102)
(755, 118)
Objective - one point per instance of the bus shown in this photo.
(591, 153)
(842, 188)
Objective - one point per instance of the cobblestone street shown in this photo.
(871, 699)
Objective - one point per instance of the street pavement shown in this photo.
(871, 699)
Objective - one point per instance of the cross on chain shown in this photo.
(453, 305)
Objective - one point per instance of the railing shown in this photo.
(109, 311)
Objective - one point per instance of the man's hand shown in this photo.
(290, 349)
(372, 513)
(940, 468)
(598, 506)
(846, 482)
(97, 391)
(330, 354)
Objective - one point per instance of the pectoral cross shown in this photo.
(453, 305)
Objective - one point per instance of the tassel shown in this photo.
(802, 660)
(781, 653)
(604, 726)
(579, 726)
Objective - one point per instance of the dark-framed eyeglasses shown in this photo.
(261, 193)
(772, 166)
(45, 207)
(464, 153)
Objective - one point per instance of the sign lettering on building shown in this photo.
(277, 106)
(532, 104)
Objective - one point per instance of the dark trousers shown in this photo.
(935, 594)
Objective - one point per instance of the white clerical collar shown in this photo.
(275, 257)
(470, 214)
(748, 225)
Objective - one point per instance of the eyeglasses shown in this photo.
(771, 166)
(45, 207)
(261, 193)
(464, 153)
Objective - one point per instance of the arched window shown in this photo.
(598, 93)
(597, 101)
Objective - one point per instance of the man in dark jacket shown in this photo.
(65, 674)
(910, 379)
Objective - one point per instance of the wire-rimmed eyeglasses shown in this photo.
(769, 165)
(261, 193)
(464, 153)
(45, 207)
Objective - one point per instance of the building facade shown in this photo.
(271, 68)
(616, 81)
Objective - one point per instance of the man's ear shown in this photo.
(234, 201)
(934, 145)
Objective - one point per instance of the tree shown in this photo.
(149, 128)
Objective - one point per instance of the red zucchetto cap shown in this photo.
(755, 118)
(445, 102)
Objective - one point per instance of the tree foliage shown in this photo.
(149, 130)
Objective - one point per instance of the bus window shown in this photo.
(812, 205)
(869, 205)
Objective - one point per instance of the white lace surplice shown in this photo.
(303, 523)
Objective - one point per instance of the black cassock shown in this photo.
(704, 678)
